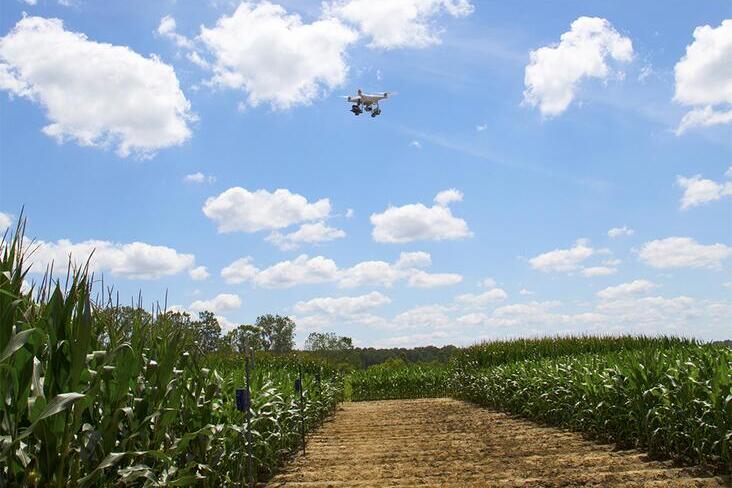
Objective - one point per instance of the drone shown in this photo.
(368, 103)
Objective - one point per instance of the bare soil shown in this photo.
(449, 443)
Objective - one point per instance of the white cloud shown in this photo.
(307, 233)
(219, 303)
(422, 279)
(483, 299)
(481, 127)
(31, 2)
(417, 259)
(446, 197)
(426, 316)
(416, 144)
(703, 77)
(136, 260)
(620, 231)
(239, 271)
(698, 191)
(96, 94)
(305, 270)
(626, 289)
(397, 23)
(276, 58)
(414, 222)
(5, 221)
(488, 282)
(167, 27)
(199, 177)
(198, 273)
(526, 292)
(554, 72)
(347, 307)
(349, 213)
(563, 260)
(683, 252)
(238, 209)
(593, 271)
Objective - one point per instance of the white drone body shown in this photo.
(365, 102)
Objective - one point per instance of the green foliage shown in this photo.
(278, 333)
(395, 379)
(245, 337)
(327, 341)
(116, 396)
(674, 399)
(494, 353)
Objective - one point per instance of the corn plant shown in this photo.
(99, 395)
(672, 401)
(407, 381)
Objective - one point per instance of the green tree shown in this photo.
(278, 333)
(245, 336)
(206, 331)
(328, 341)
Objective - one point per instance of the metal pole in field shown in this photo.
(250, 469)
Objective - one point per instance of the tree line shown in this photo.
(276, 334)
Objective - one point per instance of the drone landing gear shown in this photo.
(356, 110)
(376, 112)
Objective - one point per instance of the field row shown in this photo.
(671, 397)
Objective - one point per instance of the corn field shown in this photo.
(671, 401)
(669, 396)
(94, 397)
(408, 381)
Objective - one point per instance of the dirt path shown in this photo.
(448, 443)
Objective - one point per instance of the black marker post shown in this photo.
(298, 388)
(244, 404)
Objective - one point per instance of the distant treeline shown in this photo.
(361, 358)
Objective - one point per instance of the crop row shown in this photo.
(673, 401)
(96, 397)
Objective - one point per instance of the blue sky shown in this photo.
(158, 133)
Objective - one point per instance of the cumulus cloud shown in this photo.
(620, 232)
(306, 270)
(303, 270)
(414, 222)
(167, 28)
(397, 23)
(698, 190)
(136, 260)
(95, 94)
(703, 77)
(199, 178)
(482, 299)
(239, 271)
(5, 221)
(683, 252)
(626, 289)
(554, 72)
(198, 273)
(446, 197)
(563, 260)
(219, 303)
(593, 271)
(346, 307)
(274, 57)
(238, 209)
(422, 279)
(307, 233)
(427, 316)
